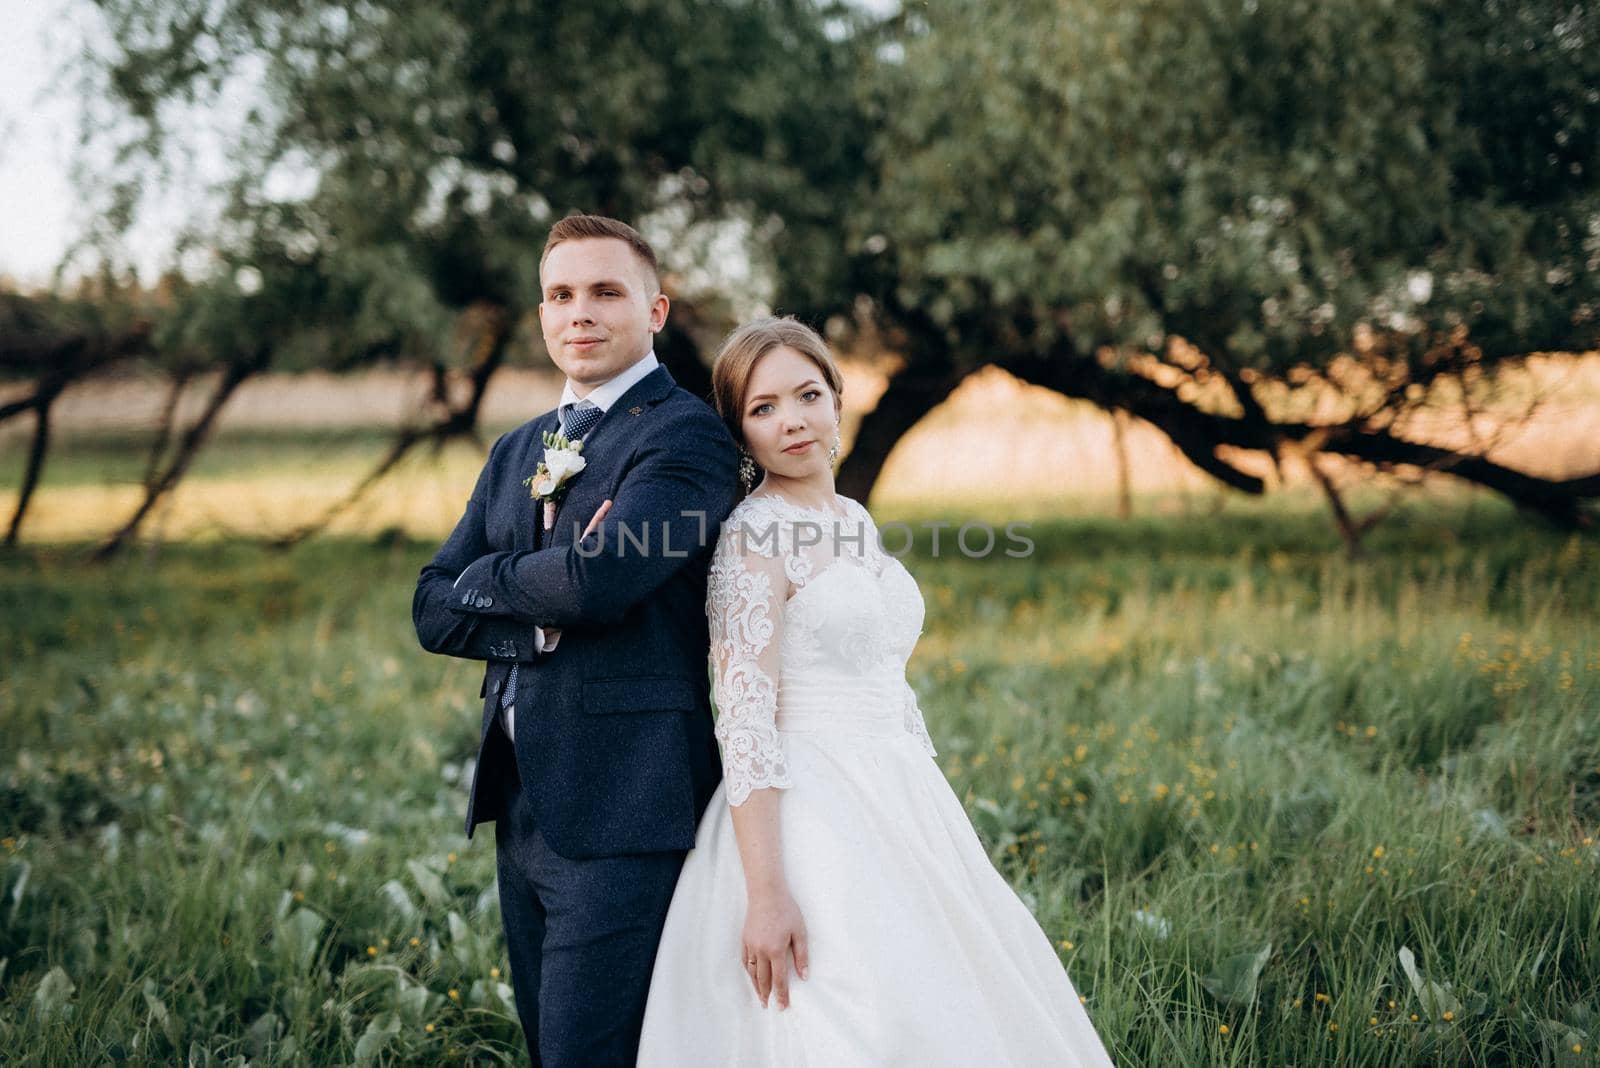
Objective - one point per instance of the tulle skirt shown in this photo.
(921, 953)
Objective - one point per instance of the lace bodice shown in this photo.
(811, 627)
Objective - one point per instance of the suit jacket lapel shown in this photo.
(644, 394)
(612, 428)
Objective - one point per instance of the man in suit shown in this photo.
(596, 755)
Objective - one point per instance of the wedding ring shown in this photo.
(749, 964)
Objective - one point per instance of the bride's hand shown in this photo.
(772, 923)
(552, 633)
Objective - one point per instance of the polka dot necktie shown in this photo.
(576, 421)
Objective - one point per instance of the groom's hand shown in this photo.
(552, 633)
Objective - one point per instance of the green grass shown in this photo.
(231, 793)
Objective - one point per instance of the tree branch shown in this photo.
(1199, 434)
(237, 372)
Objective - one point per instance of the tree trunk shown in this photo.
(1349, 530)
(164, 425)
(454, 423)
(677, 350)
(36, 454)
(188, 446)
(1119, 442)
(58, 361)
(910, 395)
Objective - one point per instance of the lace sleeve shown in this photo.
(744, 604)
(914, 722)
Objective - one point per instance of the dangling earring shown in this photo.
(833, 453)
(747, 470)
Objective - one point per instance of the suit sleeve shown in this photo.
(441, 630)
(668, 510)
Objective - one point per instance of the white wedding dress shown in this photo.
(921, 954)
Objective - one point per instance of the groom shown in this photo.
(596, 756)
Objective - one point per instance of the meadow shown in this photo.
(1274, 807)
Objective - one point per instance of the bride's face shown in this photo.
(789, 418)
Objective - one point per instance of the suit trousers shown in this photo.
(581, 935)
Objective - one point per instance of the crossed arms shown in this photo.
(476, 602)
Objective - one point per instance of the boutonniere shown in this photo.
(563, 459)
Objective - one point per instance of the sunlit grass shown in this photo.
(232, 789)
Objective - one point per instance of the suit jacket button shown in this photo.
(494, 687)
(488, 602)
(466, 598)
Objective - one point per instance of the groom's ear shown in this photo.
(659, 306)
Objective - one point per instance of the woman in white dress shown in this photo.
(838, 908)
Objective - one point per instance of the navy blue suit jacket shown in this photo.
(614, 745)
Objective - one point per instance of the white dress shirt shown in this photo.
(603, 397)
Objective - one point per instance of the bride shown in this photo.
(838, 909)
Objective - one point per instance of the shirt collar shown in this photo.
(610, 391)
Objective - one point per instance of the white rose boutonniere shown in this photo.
(563, 459)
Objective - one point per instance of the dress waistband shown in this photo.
(835, 723)
(849, 706)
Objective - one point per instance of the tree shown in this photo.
(1133, 202)
(428, 148)
(53, 342)
(1213, 216)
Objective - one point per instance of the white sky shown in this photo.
(37, 129)
(41, 212)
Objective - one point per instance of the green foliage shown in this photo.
(1366, 200)
(1264, 180)
(404, 163)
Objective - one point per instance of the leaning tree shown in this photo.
(1211, 216)
(1221, 217)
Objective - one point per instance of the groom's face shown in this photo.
(601, 305)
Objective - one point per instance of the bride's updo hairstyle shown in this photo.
(743, 349)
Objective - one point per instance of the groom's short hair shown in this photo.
(581, 227)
